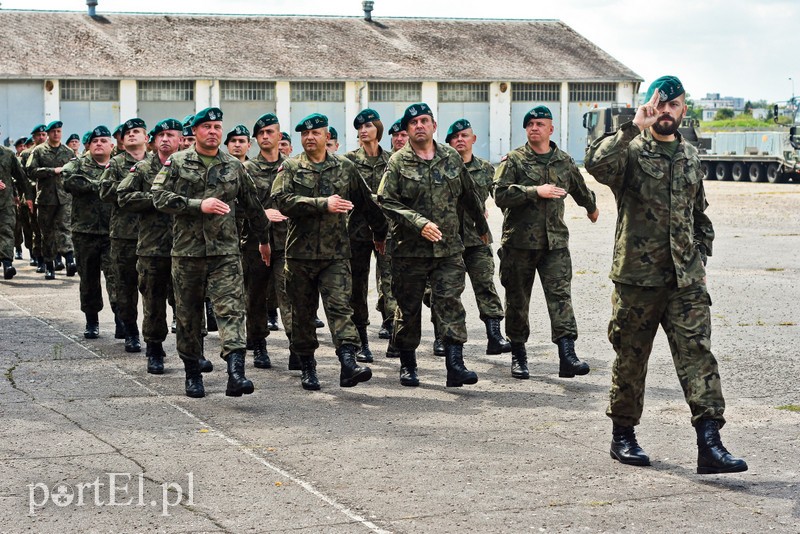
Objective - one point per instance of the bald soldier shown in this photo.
(662, 242)
(530, 186)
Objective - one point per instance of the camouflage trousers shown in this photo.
(409, 277)
(518, 268)
(155, 285)
(685, 316)
(22, 232)
(93, 257)
(306, 281)
(29, 225)
(8, 221)
(361, 254)
(278, 285)
(479, 262)
(126, 280)
(386, 304)
(221, 277)
(54, 222)
(257, 281)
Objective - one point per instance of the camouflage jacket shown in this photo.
(529, 221)
(301, 192)
(663, 233)
(124, 223)
(181, 186)
(82, 180)
(41, 165)
(134, 195)
(482, 173)
(263, 174)
(371, 172)
(17, 183)
(414, 192)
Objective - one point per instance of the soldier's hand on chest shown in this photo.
(550, 191)
(337, 204)
(214, 206)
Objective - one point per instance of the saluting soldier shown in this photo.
(425, 189)
(662, 242)
(54, 204)
(317, 190)
(530, 186)
(90, 226)
(202, 187)
(14, 184)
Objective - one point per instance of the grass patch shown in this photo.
(789, 408)
(775, 269)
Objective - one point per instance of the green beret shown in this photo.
(286, 137)
(99, 131)
(267, 119)
(312, 122)
(187, 131)
(207, 115)
(130, 124)
(53, 125)
(166, 124)
(38, 129)
(85, 138)
(458, 126)
(20, 141)
(238, 130)
(414, 110)
(365, 116)
(668, 87)
(334, 133)
(187, 120)
(117, 131)
(396, 127)
(29, 140)
(539, 112)
(73, 136)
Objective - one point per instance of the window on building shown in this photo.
(463, 92)
(233, 91)
(166, 90)
(592, 92)
(395, 91)
(317, 91)
(535, 92)
(89, 90)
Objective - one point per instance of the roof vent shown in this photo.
(368, 5)
(92, 4)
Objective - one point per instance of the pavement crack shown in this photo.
(9, 374)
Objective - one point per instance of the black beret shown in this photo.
(414, 110)
(396, 127)
(267, 119)
(334, 133)
(130, 124)
(365, 116)
(238, 130)
(312, 122)
(99, 131)
(20, 141)
(286, 137)
(73, 136)
(458, 126)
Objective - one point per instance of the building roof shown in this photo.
(74, 45)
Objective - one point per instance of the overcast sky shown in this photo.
(743, 48)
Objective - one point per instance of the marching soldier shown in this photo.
(14, 184)
(37, 137)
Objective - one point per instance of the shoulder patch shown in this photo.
(108, 164)
(280, 168)
(133, 168)
(504, 158)
(168, 163)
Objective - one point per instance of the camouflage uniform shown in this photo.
(90, 227)
(414, 192)
(54, 205)
(318, 245)
(154, 246)
(28, 218)
(258, 277)
(662, 239)
(124, 232)
(535, 237)
(362, 246)
(17, 185)
(205, 249)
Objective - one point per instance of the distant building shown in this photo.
(713, 102)
(87, 71)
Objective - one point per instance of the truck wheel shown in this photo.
(737, 172)
(723, 171)
(707, 169)
(757, 172)
(773, 174)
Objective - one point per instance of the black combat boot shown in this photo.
(438, 342)
(351, 373)
(8, 270)
(712, 456)
(205, 365)
(364, 355)
(457, 373)
(34, 261)
(408, 368)
(272, 319)
(386, 329)
(308, 377)
(238, 384)
(132, 343)
(18, 253)
(72, 268)
(625, 448)
(92, 330)
(497, 344)
(211, 319)
(119, 326)
(155, 358)
(519, 361)
(49, 271)
(392, 351)
(569, 365)
(40, 265)
(318, 322)
(58, 265)
(294, 361)
(260, 355)
(194, 380)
